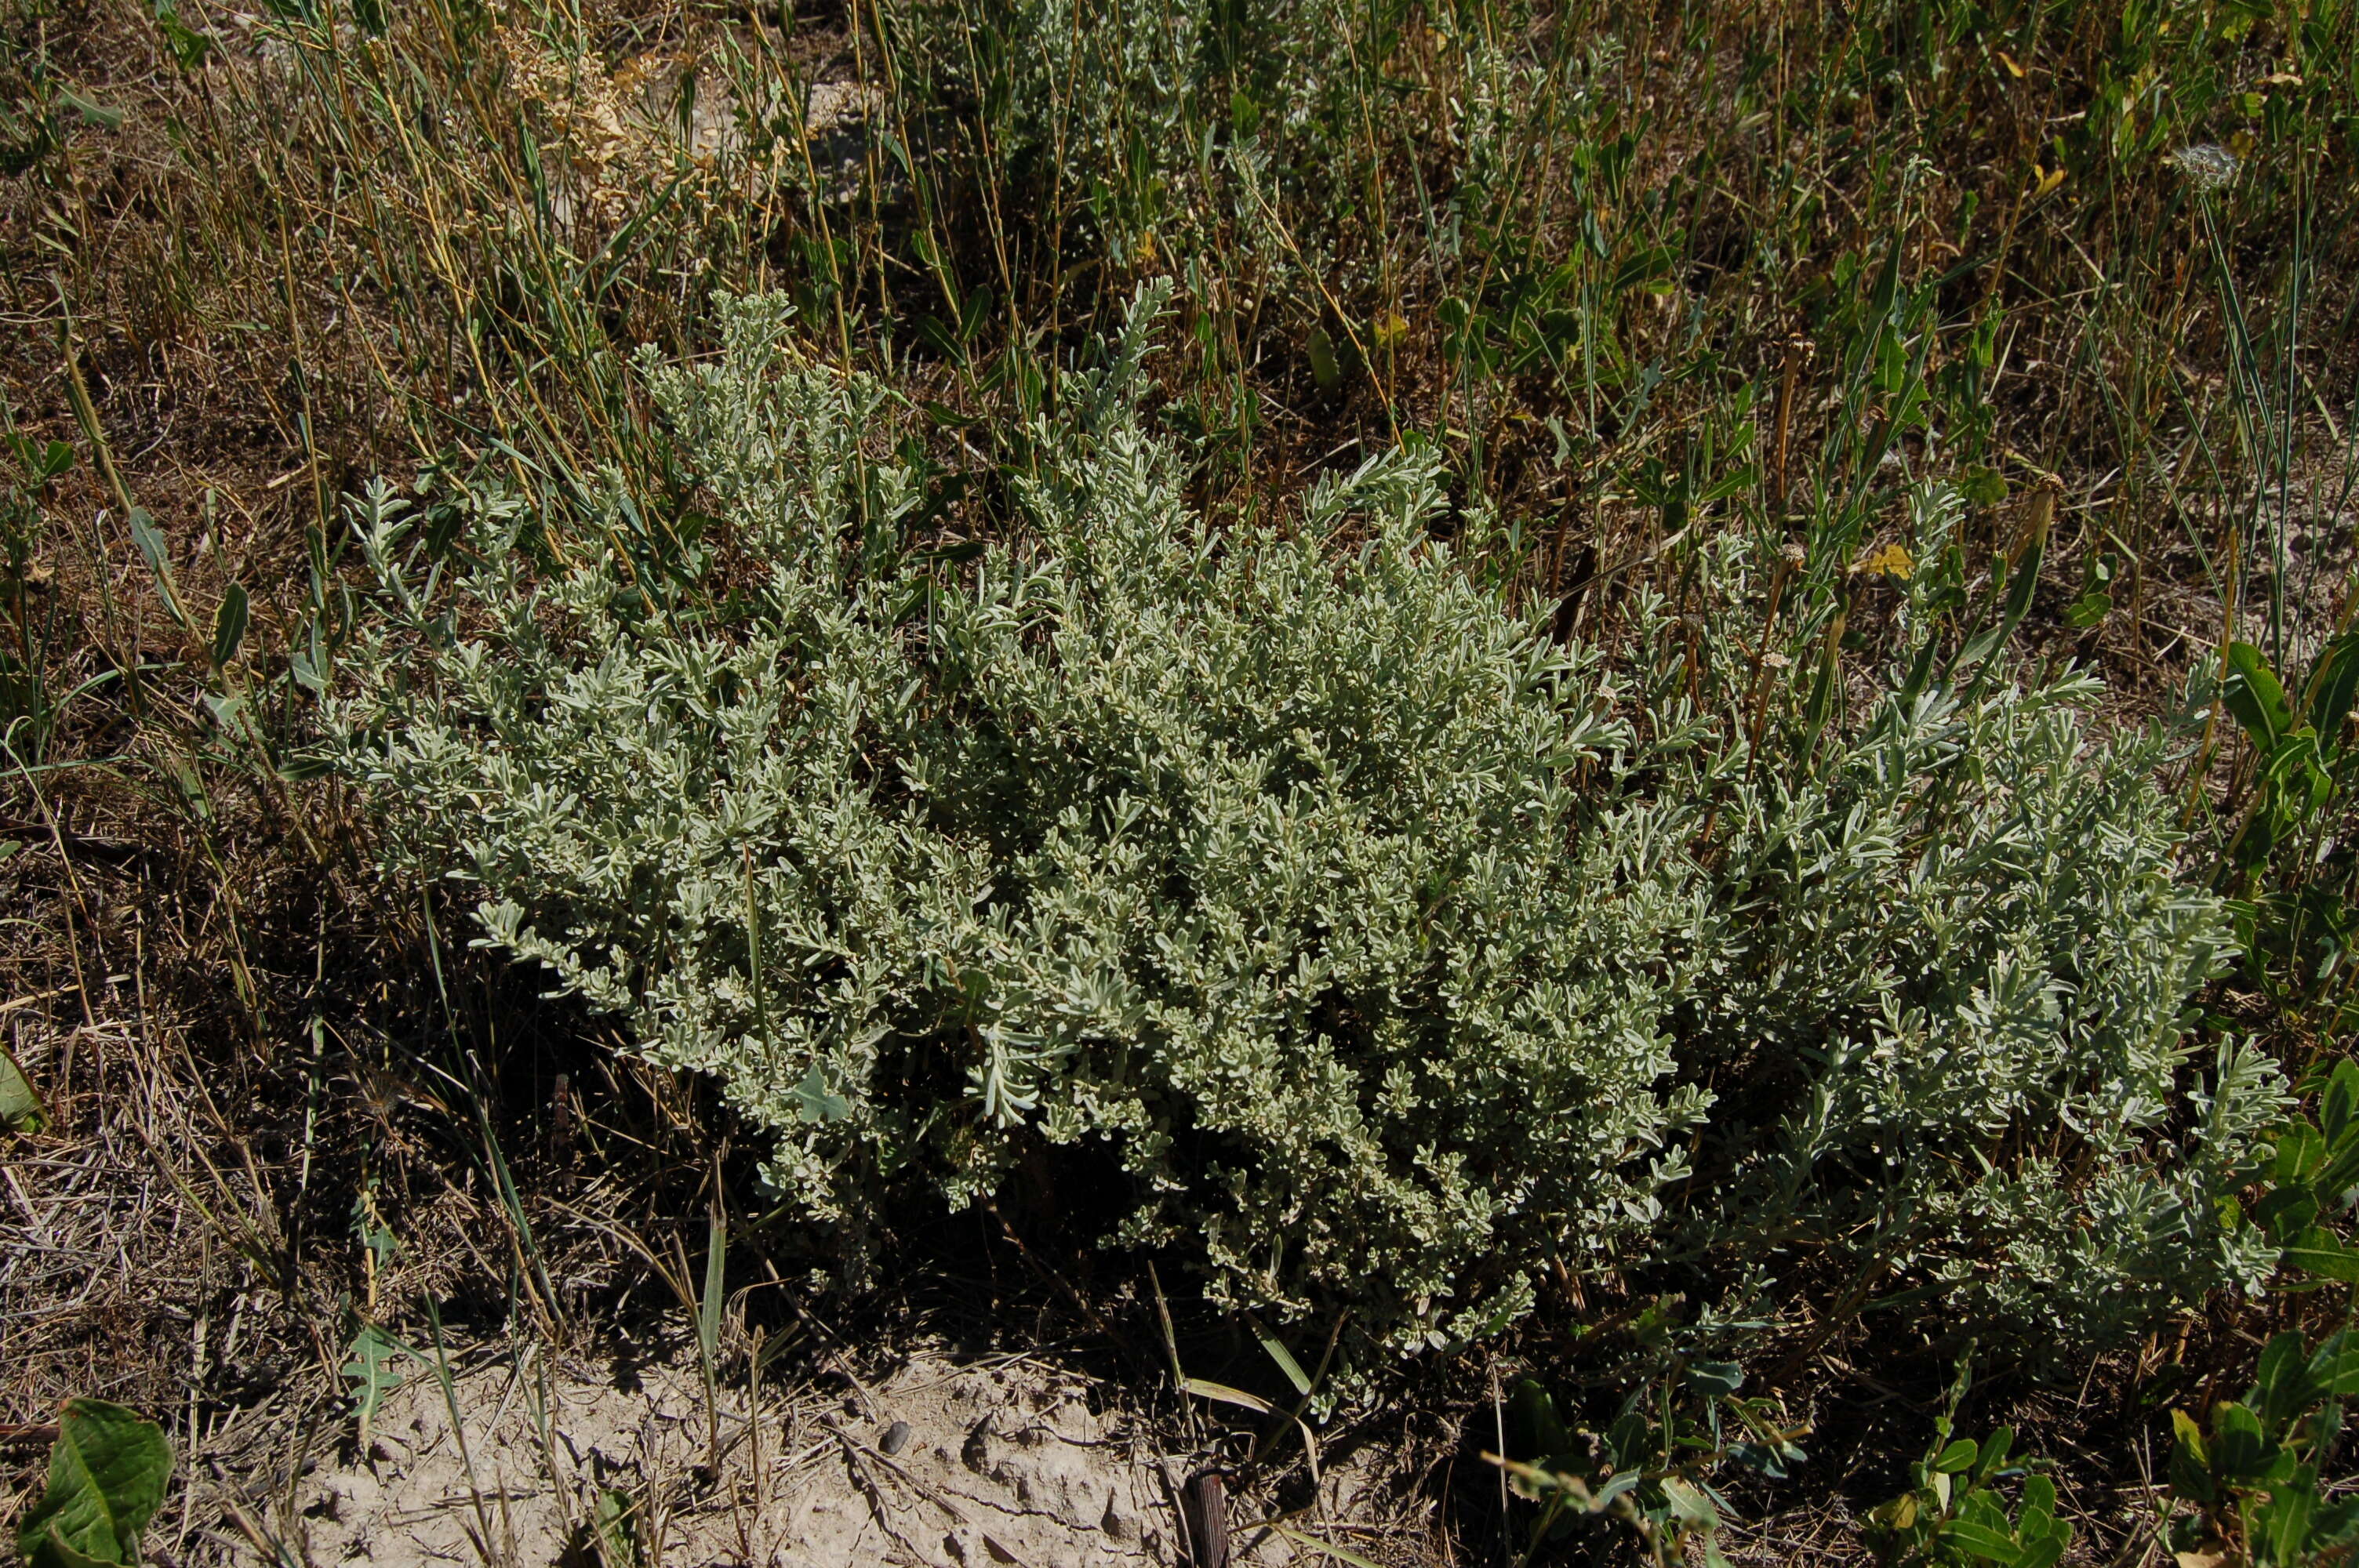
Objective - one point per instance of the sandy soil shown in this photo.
(1006, 1461)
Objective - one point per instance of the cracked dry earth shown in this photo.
(998, 1462)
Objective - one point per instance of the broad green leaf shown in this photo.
(189, 46)
(1716, 1377)
(1534, 1429)
(1324, 368)
(2335, 1368)
(42, 463)
(1691, 1503)
(2341, 1175)
(2294, 774)
(53, 1553)
(1979, 1540)
(2286, 1520)
(2191, 1462)
(2286, 1212)
(617, 1536)
(716, 1279)
(1615, 1486)
(2189, 1435)
(1994, 1451)
(159, 562)
(1959, 1455)
(2282, 1364)
(371, 1374)
(2317, 1251)
(229, 624)
(2044, 1552)
(107, 1473)
(2239, 1450)
(2283, 1382)
(20, 1106)
(2255, 698)
(1630, 1440)
(816, 1099)
(308, 667)
(105, 115)
(2340, 1102)
(2333, 685)
(2299, 1151)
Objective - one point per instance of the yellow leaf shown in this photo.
(2007, 61)
(1389, 329)
(1892, 560)
(1206, 1390)
(2049, 181)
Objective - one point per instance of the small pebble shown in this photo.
(895, 1438)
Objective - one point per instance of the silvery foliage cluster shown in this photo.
(1390, 952)
(1951, 954)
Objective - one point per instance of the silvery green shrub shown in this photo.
(1393, 952)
